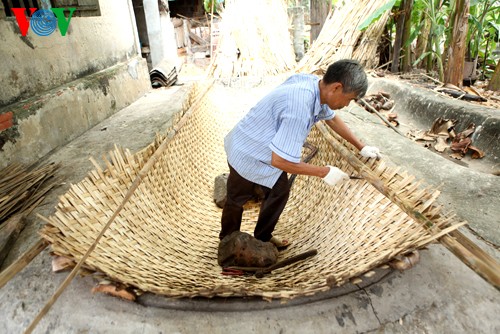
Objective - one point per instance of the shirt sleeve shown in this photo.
(290, 137)
(326, 113)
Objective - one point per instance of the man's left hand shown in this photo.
(370, 152)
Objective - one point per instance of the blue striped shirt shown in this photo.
(278, 123)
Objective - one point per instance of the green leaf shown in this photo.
(376, 15)
(425, 54)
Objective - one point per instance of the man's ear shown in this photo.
(335, 86)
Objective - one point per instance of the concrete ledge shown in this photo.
(34, 127)
(424, 106)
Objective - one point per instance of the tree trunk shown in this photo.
(423, 37)
(319, 12)
(398, 41)
(454, 67)
(495, 79)
(298, 32)
(406, 62)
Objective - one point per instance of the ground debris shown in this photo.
(61, 263)
(441, 136)
(462, 143)
(114, 290)
(382, 103)
(406, 261)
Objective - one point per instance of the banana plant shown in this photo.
(437, 13)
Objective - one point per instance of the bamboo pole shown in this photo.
(12, 270)
(473, 256)
(211, 28)
(135, 184)
(463, 248)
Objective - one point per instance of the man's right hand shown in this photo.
(335, 176)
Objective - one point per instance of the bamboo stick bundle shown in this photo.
(254, 40)
(340, 37)
(20, 188)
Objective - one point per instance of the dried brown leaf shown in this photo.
(457, 156)
(112, 290)
(385, 94)
(443, 127)
(61, 263)
(476, 152)
(392, 116)
(388, 105)
(474, 91)
(441, 144)
(451, 86)
(461, 146)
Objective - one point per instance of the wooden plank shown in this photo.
(319, 13)
(197, 39)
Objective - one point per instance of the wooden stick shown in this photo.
(143, 172)
(22, 262)
(463, 248)
(381, 117)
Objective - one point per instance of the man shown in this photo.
(267, 143)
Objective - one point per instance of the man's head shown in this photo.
(344, 81)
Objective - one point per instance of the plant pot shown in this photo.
(470, 72)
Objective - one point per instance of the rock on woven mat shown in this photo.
(243, 250)
(220, 189)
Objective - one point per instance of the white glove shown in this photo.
(370, 152)
(335, 176)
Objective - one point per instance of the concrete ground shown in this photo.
(439, 295)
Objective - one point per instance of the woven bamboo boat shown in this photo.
(165, 238)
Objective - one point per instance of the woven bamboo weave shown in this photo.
(165, 239)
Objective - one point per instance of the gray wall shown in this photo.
(33, 64)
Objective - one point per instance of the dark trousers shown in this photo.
(239, 191)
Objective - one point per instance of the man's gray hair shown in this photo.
(350, 74)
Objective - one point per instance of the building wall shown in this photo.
(54, 88)
(33, 64)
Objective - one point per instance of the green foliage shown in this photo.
(218, 5)
(483, 30)
(376, 15)
(484, 20)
